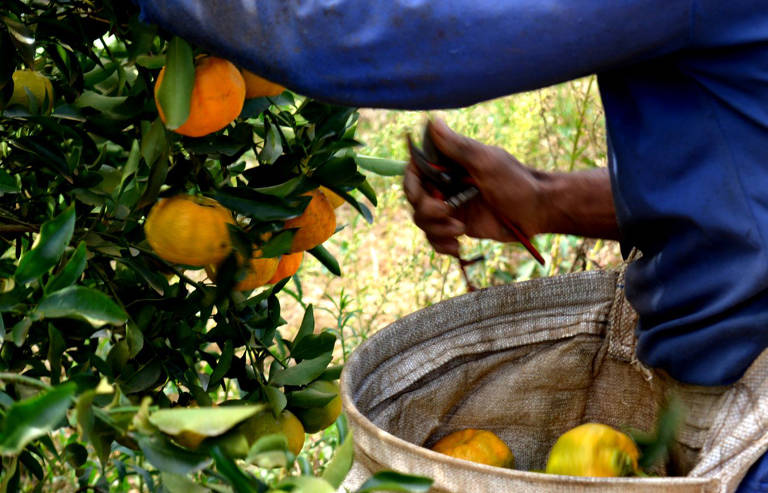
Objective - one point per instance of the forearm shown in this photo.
(579, 203)
(425, 53)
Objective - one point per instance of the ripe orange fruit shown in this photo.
(593, 449)
(265, 423)
(258, 87)
(315, 225)
(217, 98)
(259, 271)
(334, 198)
(189, 230)
(289, 264)
(315, 419)
(475, 445)
(37, 84)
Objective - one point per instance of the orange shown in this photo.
(593, 449)
(189, 230)
(37, 84)
(315, 225)
(265, 423)
(259, 87)
(334, 198)
(217, 98)
(316, 419)
(481, 446)
(259, 271)
(289, 264)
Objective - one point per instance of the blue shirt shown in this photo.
(685, 89)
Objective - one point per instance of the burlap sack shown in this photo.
(529, 361)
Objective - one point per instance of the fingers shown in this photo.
(432, 215)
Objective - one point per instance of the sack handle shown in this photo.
(620, 338)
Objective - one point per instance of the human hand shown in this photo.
(509, 193)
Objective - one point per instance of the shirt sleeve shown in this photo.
(420, 54)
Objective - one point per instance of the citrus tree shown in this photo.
(149, 223)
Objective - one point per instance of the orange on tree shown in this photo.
(481, 446)
(217, 97)
(315, 225)
(237, 442)
(258, 272)
(288, 266)
(259, 87)
(593, 449)
(189, 230)
(265, 423)
(334, 198)
(316, 419)
(36, 83)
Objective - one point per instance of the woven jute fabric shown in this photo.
(529, 361)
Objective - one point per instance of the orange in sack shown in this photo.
(217, 98)
(474, 445)
(596, 450)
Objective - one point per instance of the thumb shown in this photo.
(458, 148)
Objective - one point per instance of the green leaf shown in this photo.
(381, 166)
(339, 172)
(71, 272)
(154, 142)
(144, 378)
(338, 468)
(223, 366)
(202, 421)
(367, 190)
(313, 345)
(241, 483)
(278, 244)
(273, 146)
(75, 454)
(307, 326)
(325, 258)
(305, 484)
(54, 237)
(20, 330)
(176, 90)
(270, 451)
(395, 481)
(32, 418)
(82, 303)
(168, 457)
(276, 399)
(152, 62)
(156, 181)
(8, 184)
(105, 104)
(310, 397)
(56, 347)
(261, 206)
(332, 373)
(176, 483)
(23, 38)
(302, 373)
(135, 339)
(132, 163)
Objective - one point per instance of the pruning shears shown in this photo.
(448, 180)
